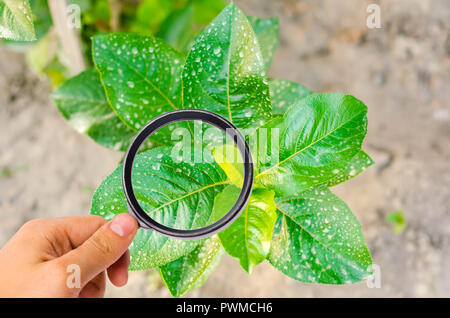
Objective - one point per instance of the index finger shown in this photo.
(78, 228)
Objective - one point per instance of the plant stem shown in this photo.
(68, 36)
(116, 9)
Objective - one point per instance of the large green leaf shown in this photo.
(286, 93)
(266, 30)
(360, 162)
(224, 71)
(83, 103)
(192, 270)
(16, 20)
(141, 75)
(248, 238)
(317, 137)
(318, 240)
(178, 195)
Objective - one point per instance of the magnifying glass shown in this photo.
(188, 115)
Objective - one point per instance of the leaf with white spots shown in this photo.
(286, 93)
(141, 76)
(266, 31)
(178, 195)
(225, 74)
(360, 162)
(42, 22)
(192, 270)
(317, 239)
(16, 20)
(317, 136)
(82, 101)
(248, 238)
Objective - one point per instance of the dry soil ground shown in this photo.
(400, 71)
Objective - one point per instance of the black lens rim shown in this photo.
(133, 205)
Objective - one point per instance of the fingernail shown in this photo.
(123, 224)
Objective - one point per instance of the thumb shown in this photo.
(103, 248)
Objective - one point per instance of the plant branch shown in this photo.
(68, 36)
(116, 9)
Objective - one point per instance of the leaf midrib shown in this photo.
(81, 99)
(189, 194)
(247, 208)
(228, 62)
(340, 256)
(149, 82)
(310, 145)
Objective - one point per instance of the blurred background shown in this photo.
(401, 71)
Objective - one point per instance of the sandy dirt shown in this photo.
(400, 71)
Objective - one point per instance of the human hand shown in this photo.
(41, 256)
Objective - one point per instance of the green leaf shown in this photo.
(177, 29)
(42, 19)
(16, 20)
(207, 10)
(285, 93)
(224, 71)
(248, 238)
(317, 138)
(226, 157)
(178, 195)
(57, 72)
(267, 31)
(83, 103)
(41, 54)
(398, 221)
(150, 14)
(360, 162)
(141, 75)
(318, 240)
(98, 15)
(44, 58)
(192, 270)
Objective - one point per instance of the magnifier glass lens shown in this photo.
(177, 183)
